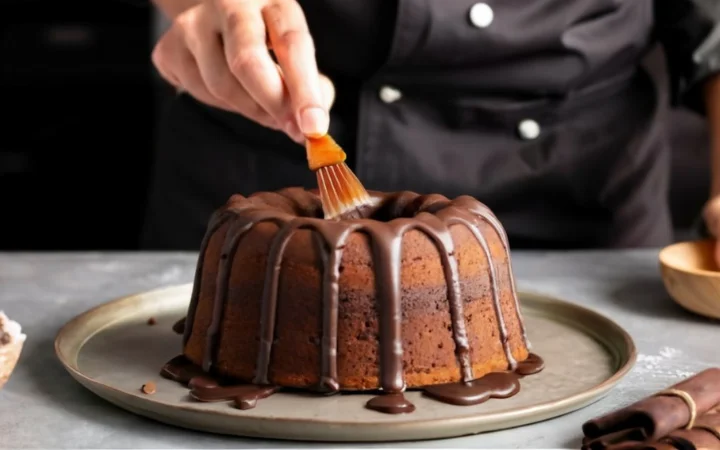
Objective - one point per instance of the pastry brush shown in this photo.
(341, 193)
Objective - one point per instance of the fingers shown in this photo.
(247, 56)
(162, 62)
(293, 46)
(328, 98)
(178, 66)
(167, 76)
(218, 53)
(204, 42)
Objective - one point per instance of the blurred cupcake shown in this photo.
(11, 343)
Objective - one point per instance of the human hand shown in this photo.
(218, 52)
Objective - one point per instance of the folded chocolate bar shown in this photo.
(705, 435)
(683, 416)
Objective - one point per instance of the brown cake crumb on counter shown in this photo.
(149, 388)
(151, 321)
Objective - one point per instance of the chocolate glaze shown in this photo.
(205, 388)
(181, 369)
(532, 364)
(492, 385)
(292, 210)
(390, 404)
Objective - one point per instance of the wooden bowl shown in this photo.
(691, 276)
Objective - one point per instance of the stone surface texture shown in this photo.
(43, 407)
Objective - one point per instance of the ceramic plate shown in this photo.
(113, 351)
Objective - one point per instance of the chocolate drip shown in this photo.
(216, 221)
(390, 404)
(460, 218)
(283, 207)
(492, 385)
(236, 232)
(439, 233)
(532, 364)
(331, 291)
(245, 396)
(181, 369)
(204, 388)
(268, 311)
(238, 229)
(483, 212)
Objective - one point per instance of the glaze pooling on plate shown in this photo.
(205, 388)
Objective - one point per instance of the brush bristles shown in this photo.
(340, 190)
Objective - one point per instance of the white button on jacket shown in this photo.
(481, 15)
(529, 129)
(389, 94)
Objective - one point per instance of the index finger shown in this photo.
(247, 55)
(295, 52)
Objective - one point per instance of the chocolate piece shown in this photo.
(692, 439)
(705, 434)
(655, 446)
(659, 415)
(629, 445)
(710, 422)
(151, 321)
(610, 440)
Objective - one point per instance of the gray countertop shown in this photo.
(43, 407)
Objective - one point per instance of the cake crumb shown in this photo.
(149, 388)
(151, 321)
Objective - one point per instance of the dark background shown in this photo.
(77, 94)
(80, 102)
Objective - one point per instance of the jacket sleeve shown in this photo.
(689, 31)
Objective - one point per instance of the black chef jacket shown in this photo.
(540, 109)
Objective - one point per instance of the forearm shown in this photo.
(172, 8)
(712, 101)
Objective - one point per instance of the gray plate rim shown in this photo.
(615, 340)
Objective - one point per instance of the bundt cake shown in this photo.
(418, 294)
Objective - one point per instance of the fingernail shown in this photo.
(314, 121)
